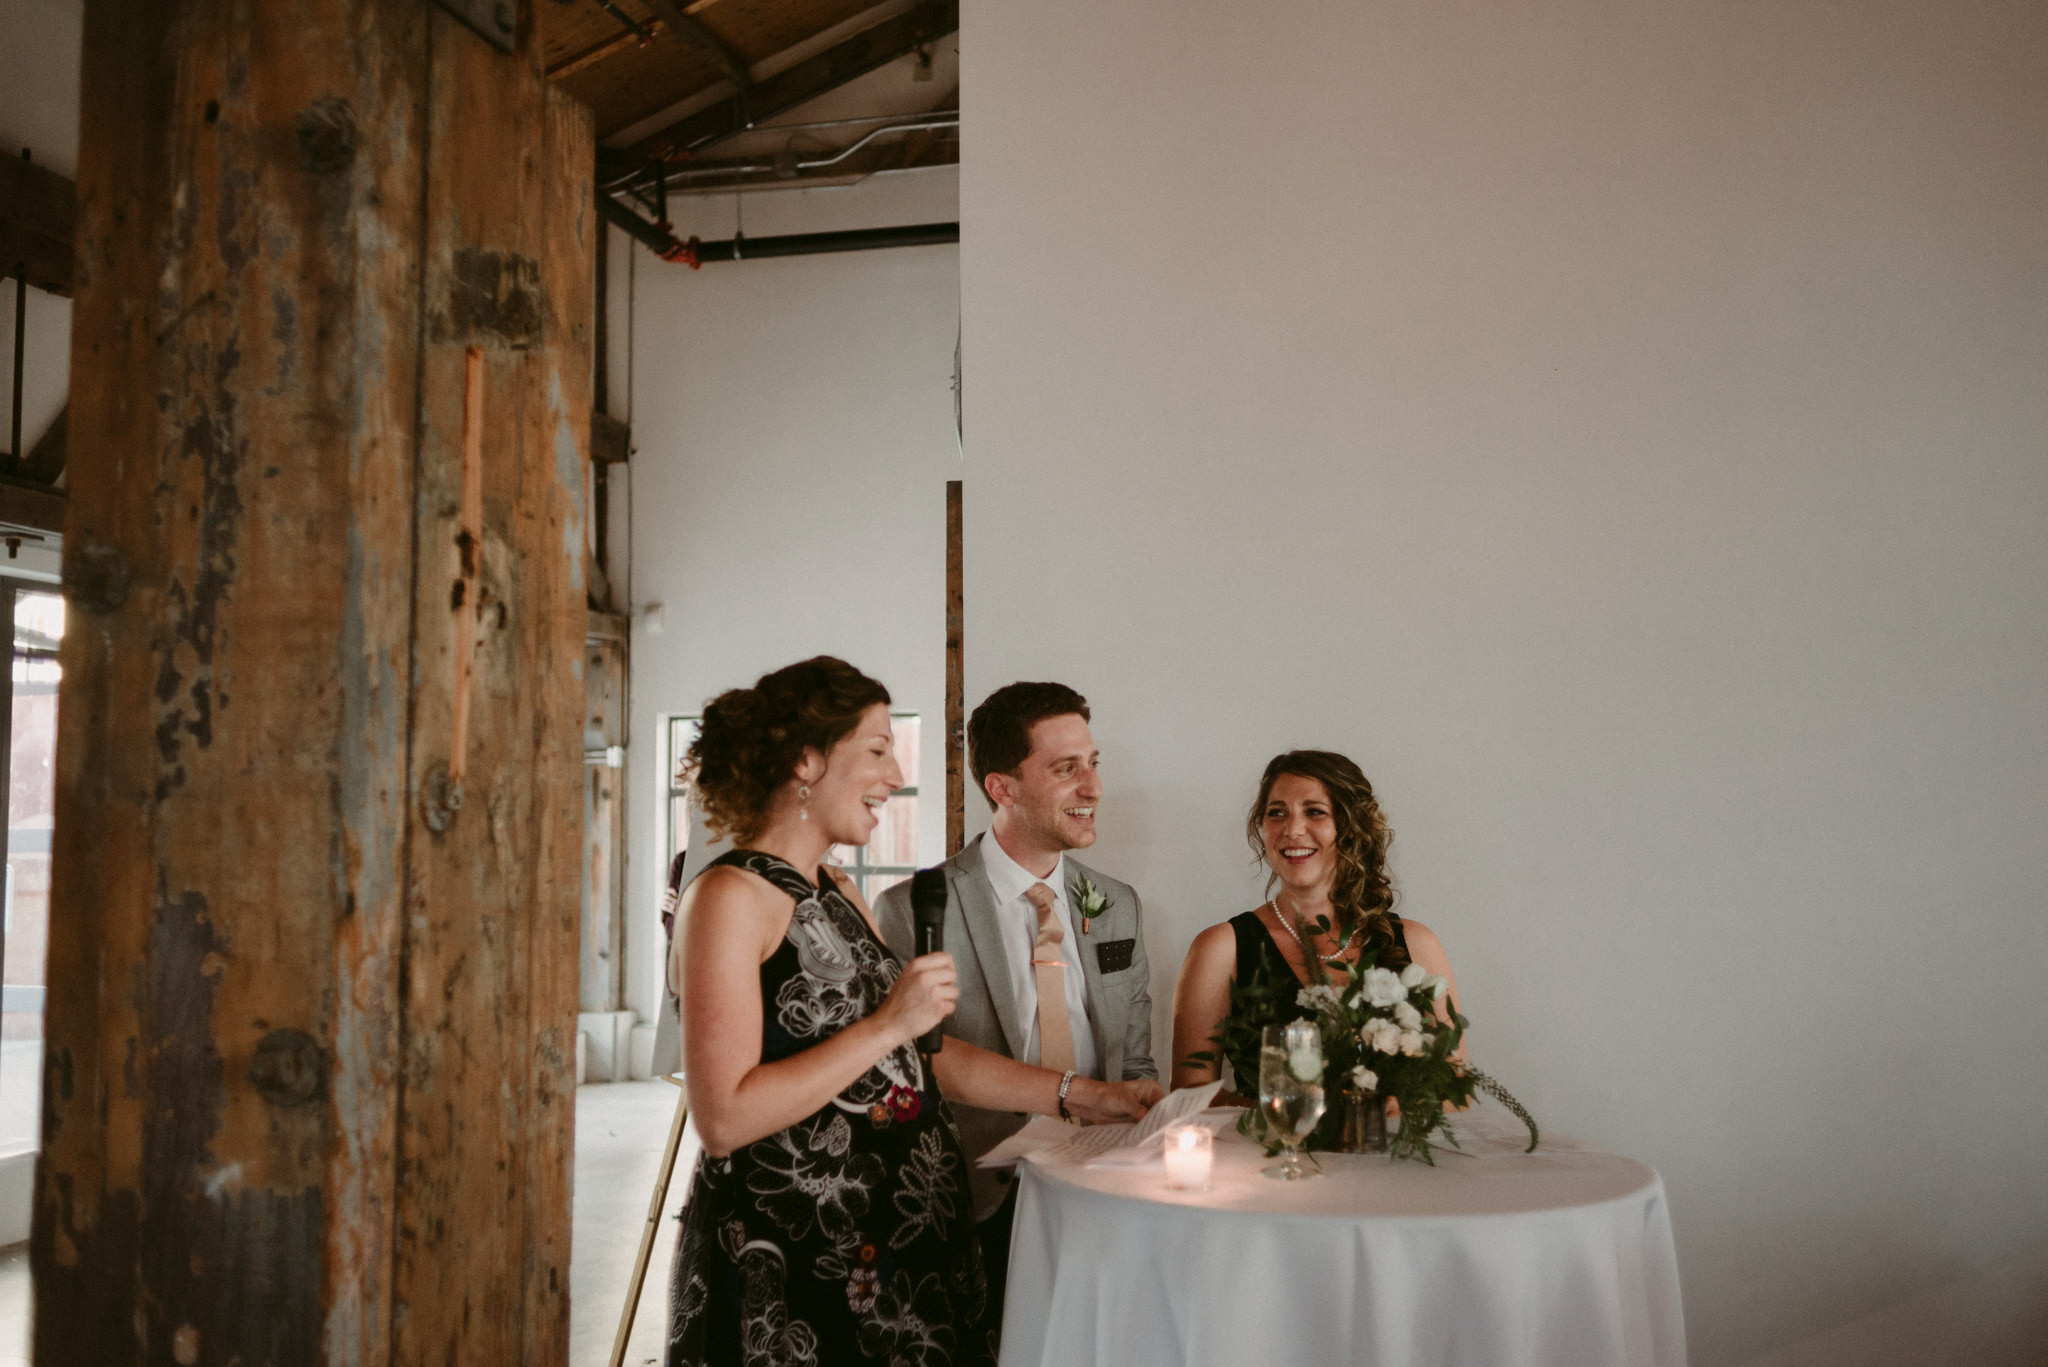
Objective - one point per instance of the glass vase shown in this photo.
(1365, 1123)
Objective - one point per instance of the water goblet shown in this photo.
(1291, 1090)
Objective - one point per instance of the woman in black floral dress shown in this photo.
(828, 1221)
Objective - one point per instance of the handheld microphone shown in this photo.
(928, 915)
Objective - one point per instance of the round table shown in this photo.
(1560, 1258)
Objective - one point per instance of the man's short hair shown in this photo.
(999, 732)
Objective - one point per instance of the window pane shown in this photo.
(895, 838)
(682, 731)
(906, 729)
(682, 734)
(38, 620)
(31, 793)
(877, 883)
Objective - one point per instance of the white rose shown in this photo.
(1386, 1037)
(1436, 988)
(1412, 975)
(1407, 1017)
(1411, 1043)
(1364, 1078)
(1383, 988)
(1321, 997)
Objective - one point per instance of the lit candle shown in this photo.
(1189, 1150)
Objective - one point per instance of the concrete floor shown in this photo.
(14, 1306)
(621, 1129)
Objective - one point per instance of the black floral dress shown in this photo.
(848, 1237)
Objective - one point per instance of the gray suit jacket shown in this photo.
(1119, 1002)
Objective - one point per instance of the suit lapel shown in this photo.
(1100, 1003)
(977, 903)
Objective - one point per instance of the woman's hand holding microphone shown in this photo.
(924, 994)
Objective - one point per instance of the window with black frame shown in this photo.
(31, 791)
(889, 857)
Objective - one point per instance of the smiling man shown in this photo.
(1050, 953)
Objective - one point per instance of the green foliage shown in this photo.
(1424, 1083)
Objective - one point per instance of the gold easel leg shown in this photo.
(653, 1227)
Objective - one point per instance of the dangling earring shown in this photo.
(803, 796)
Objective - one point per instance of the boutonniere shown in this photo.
(1089, 899)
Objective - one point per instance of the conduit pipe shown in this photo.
(740, 247)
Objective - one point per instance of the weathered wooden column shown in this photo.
(312, 973)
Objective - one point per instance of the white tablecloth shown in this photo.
(1560, 1258)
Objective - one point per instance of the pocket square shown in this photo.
(1114, 956)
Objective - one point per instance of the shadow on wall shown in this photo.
(1994, 1317)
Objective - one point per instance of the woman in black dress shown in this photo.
(828, 1220)
(1321, 833)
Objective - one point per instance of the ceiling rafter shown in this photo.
(891, 39)
(38, 220)
(705, 41)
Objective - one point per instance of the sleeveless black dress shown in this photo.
(1258, 953)
(848, 1237)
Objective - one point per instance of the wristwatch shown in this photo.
(1066, 1084)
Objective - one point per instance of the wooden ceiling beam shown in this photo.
(29, 505)
(38, 223)
(705, 41)
(806, 81)
(598, 51)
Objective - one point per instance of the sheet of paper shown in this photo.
(1089, 1141)
(1044, 1139)
(1127, 1144)
(1187, 1104)
(1039, 1132)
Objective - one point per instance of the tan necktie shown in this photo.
(1055, 1034)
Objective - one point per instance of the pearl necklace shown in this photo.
(1314, 965)
(1308, 960)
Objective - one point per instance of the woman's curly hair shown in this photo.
(752, 739)
(1362, 894)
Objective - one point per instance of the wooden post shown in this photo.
(956, 712)
(311, 980)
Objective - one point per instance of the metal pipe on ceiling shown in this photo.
(669, 247)
(741, 248)
(787, 165)
(843, 153)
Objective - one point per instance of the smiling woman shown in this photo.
(828, 1210)
(1318, 827)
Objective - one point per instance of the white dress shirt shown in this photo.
(1008, 880)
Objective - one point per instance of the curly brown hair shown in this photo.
(1362, 894)
(999, 731)
(752, 739)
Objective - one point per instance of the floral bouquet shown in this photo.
(1380, 1035)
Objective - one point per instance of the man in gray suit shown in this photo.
(1027, 926)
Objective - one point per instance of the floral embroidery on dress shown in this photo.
(927, 1199)
(843, 1238)
(901, 1328)
(769, 1337)
(817, 1184)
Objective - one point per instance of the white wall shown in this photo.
(793, 420)
(1624, 429)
